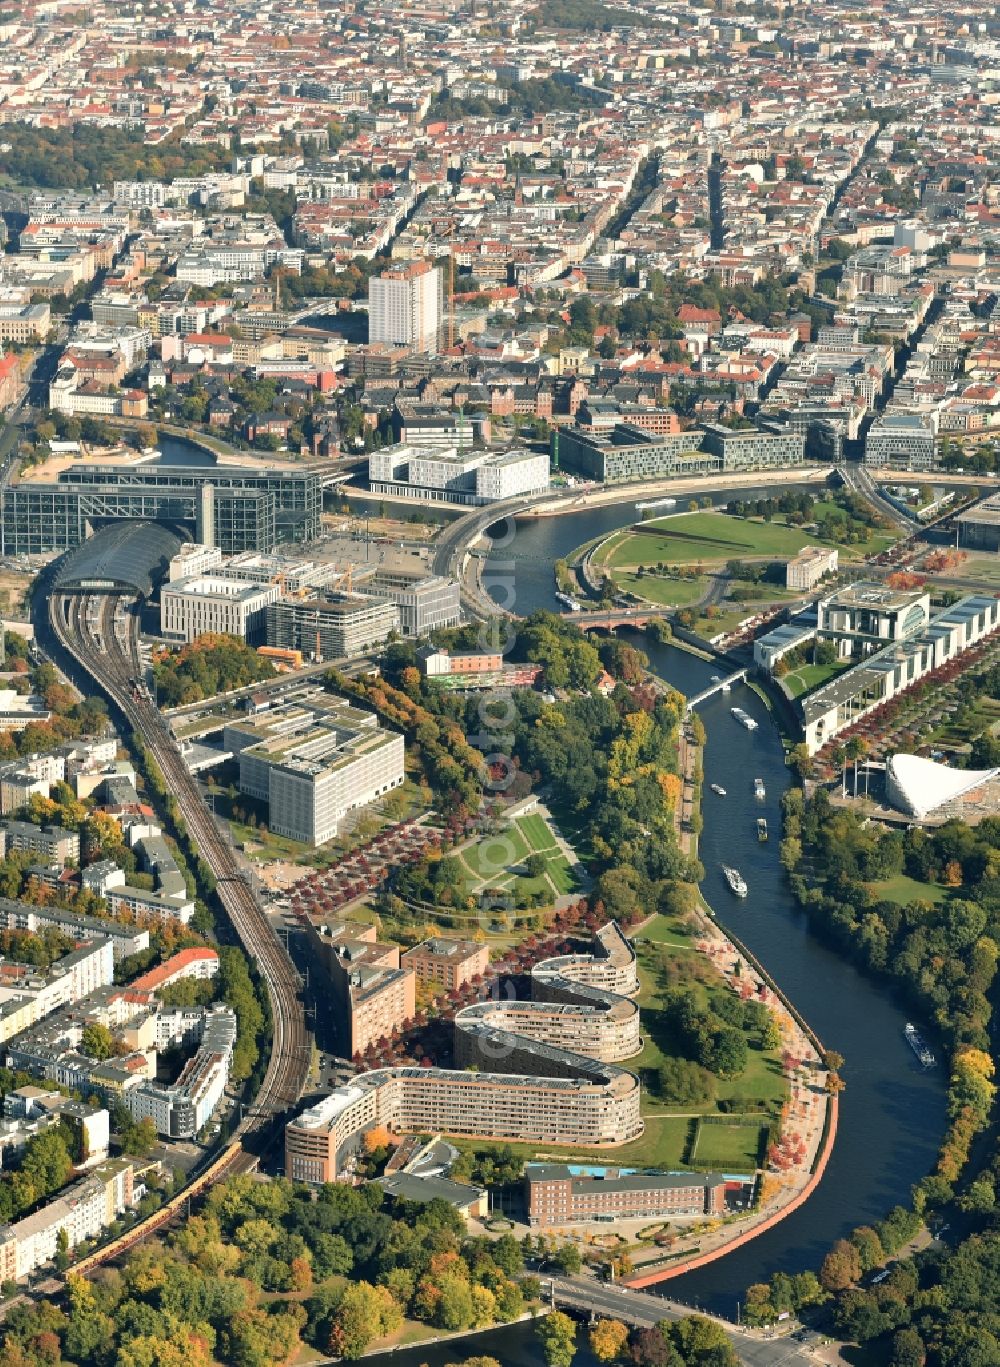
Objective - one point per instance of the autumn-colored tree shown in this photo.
(608, 1339)
(841, 1267)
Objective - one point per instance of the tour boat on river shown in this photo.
(744, 718)
(735, 880)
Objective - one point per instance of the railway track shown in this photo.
(101, 633)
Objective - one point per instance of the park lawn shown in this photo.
(727, 620)
(761, 1081)
(496, 854)
(536, 832)
(561, 876)
(666, 930)
(904, 890)
(809, 677)
(672, 593)
(707, 536)
(729, 1148)
(662, 1146)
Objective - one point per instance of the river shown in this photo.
(892, 1114)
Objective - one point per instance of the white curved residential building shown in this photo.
(542, 1072)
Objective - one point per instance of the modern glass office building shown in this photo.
(249, 508)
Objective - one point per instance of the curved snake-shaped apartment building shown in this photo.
(542, 1071)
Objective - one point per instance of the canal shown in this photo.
(892, 1114)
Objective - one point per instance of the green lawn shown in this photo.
(808, 677)
(673, 593)
(494, 855)
(536, 832)
(714, 537)
(728, 1148)
(904, 890)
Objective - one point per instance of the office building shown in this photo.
(896, 667)
(456, 475)
(979, 526)
(336, 629)
(627, 453)
(315, 764)
(807, 568)
(424, 602)
(902, 441)
(405, 307)
(861, 617)
(447, 964)
(556, 1194)
(202, 604)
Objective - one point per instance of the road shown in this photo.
(641, 1309)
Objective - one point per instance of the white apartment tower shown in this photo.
(405, 306)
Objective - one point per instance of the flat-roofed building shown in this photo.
(52, 844)
(810, 565)
(979, 526)
(205, 604)
(861, 617)
(896, 667)
(556, 1194)
(331, 629)
(903, 441)
(315, 764)
(456, 475)
(449, 964)
(424, 602)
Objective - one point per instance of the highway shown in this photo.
(101, 633)
(640, 1309)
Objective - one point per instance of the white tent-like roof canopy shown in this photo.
(919, 786)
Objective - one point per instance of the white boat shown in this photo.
(735, 880)
(718, 788)
(744, 718)
(758, 789)
(656, 503)
(568, 601)
(761, 829)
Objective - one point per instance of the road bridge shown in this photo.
(640, 1310)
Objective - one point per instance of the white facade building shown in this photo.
(405, 306)
(204, 604)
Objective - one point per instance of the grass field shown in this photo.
(536, 832)
(729, 1148)
(809, 677)
(495, 861)
(985, 568)
(904, 890)
(672, 593)
(713, 538)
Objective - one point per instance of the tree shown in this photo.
(841, 1267)
(908, 1349)
(557, 1335)
(567, 1259)
(608, 1339)
(97, 1041)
